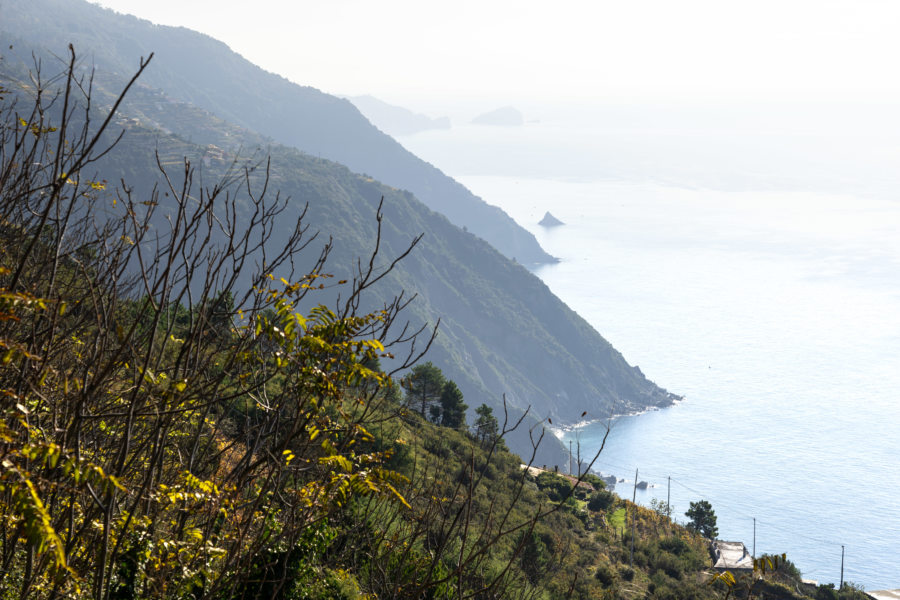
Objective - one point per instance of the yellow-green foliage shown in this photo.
(172, 425)
(92, 477)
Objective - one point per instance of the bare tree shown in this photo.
(173, 422)
(174, 426)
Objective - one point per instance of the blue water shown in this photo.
(774, 312)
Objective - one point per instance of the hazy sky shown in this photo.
(573, 49)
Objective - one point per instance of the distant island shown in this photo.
(506, 116)
(550, 221)
(396, 120)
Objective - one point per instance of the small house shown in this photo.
(731, 556)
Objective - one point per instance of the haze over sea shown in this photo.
(749, 261)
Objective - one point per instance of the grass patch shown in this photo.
(617, 519)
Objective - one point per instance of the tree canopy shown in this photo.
(486, 425)
(703, 519)
(453, 409)
(424, 385)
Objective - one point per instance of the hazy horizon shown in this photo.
(698, 51)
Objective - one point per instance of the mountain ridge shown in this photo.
(204, 71)
(502, 331)
(396, 120)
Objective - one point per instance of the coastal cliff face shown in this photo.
(502, 332)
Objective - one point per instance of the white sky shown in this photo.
(576, 50)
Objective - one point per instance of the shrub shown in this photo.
(601, 500)
(554, 486)
(605, 575)
(595, 481)
(667, 564)
(674, 545)
(826, 592)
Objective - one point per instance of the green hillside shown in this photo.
(502, 332)
(195, 68)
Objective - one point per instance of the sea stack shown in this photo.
(550, 221)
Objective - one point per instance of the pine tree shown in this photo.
(423, 386)
(486, 426)
(703, 519)
(453, 409)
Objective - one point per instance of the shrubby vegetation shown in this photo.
(166, 433)
(176, 425)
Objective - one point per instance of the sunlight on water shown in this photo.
(756, 272)
(777, 316)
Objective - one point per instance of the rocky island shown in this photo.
(550, 221)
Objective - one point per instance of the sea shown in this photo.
(748, 261)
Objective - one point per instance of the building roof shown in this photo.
(731, 555)
(535, 471)
(885, 594)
